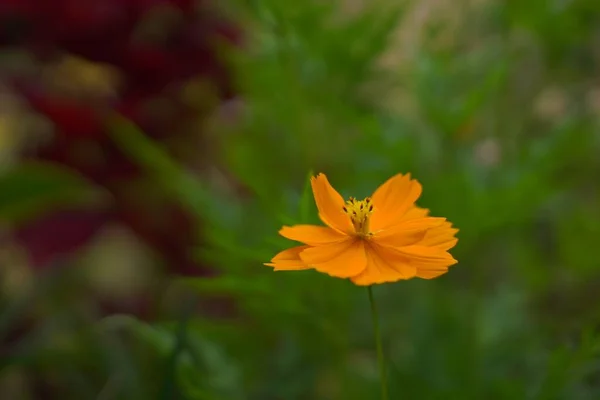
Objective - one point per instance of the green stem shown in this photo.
(380, 359)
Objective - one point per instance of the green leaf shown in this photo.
(170, 175)
(31, 188)
(306, 199)
(159, 339)
(232, 285)
(203, 370)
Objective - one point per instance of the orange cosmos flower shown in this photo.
(383, 238)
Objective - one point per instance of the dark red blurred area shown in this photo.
(156, 48)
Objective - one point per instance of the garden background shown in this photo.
(151, 149)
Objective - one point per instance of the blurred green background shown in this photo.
(492, 105)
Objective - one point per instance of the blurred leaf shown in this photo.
(306, 201)
(233, 285)
(182, 185)
(169, 388)
(33, 187)
(203, 370)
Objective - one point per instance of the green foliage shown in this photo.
(515, 319)
(29, 188)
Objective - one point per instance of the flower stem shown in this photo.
(380, 359)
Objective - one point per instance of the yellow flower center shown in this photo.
(359, 212)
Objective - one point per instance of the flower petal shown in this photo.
(429, 261)
(415, 212)
(342, 259)
(383, 266)
(431, 273)
(312, 235)
(330, 204)
(393, 199)
(289, 260)
(425, 255)
(407, 232)
(441, 237)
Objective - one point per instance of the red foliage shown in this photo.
(151, 66)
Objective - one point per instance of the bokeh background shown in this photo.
(151, 149)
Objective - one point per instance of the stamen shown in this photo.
(359, 212)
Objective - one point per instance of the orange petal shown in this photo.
(430, 262)
(425, 255)
(415, 212)
(289, 260)
(431, 273)
(312, 235)
(393, 199)
(330, 204)
(383, 267)
(407, 232)
(441, 237)
(342, 259)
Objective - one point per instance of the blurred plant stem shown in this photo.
(380, 359)
(170, 388)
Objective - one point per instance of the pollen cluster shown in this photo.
(359, 212)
